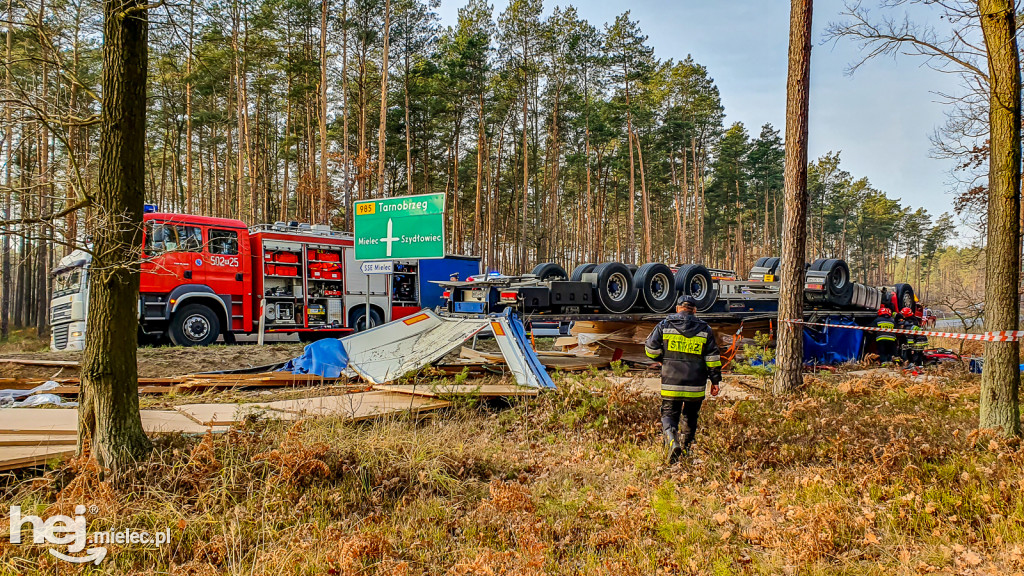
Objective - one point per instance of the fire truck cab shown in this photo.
(203, 277)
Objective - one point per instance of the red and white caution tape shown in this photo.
(1000, 336)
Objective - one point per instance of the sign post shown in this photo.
(368, 268)
(400, 227)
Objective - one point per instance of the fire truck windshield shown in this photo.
(67, 282)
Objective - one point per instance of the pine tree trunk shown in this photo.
(109, 410)
(322, 117)
(5, 257)
(344, 115)
(479, 172)
(382, 133)
(789, 357)
(645, 205)
(1000, 379)
(189, 201)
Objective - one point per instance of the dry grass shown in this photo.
(877, 476)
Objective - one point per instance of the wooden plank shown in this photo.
(166, 421)
(64, 421)
(228, 414)
(38, 421)
(449, 390)
(37, 439)
(359, 406)
(13, 457)
(35, 362)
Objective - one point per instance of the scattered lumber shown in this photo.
(451, 390)
(358, 407)
(549, 358)
(13, 457)
(34, 362)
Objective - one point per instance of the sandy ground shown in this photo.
(163, 361)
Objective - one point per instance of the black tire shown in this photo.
(579, 271)
(904, 296)
(657, 286)
(194, 325)
(549, 271)
(816, 265)
(760, 261)
(615, 289)
(772, 264)
(838, 284)
(359, 319)
(695, 280)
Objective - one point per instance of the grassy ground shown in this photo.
(883, 476)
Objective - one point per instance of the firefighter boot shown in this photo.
(672, 446)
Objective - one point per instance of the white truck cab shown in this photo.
(69, 302)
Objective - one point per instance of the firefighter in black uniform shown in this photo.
(885, 342)
(913, 346)
(688, 351)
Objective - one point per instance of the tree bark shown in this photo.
(382, 133)
(109, 410)
(5, 257)
(789, 358)
(1000, 380)
(322, 212)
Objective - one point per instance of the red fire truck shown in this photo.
(205, 277)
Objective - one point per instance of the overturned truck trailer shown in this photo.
(618, 292)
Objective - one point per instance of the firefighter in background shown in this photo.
(913, 346)
(885, 342)
(920, 340)
(687, 349)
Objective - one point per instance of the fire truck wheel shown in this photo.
(359, 319)
(194, 325)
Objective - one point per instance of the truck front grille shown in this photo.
(61, 312)
(60, 336)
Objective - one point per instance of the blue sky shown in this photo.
(880, 118)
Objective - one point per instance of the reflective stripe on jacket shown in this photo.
(884, 323)
(689, 353)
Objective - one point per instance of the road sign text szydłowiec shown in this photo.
(402, 227)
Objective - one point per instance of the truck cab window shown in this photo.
(162, 238)
(223, 242)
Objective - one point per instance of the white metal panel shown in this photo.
(387, 352)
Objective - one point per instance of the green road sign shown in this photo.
(402, 227)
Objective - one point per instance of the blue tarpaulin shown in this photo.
(326, 358)
(832, 345)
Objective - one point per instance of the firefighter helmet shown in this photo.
(906, 312)
(883, 311)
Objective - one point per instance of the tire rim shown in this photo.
(196, 327)
(660, 286)
(839, 279)
(698, 287)
(617, 287)
(361, 324)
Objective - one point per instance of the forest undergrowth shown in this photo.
(849, 476)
